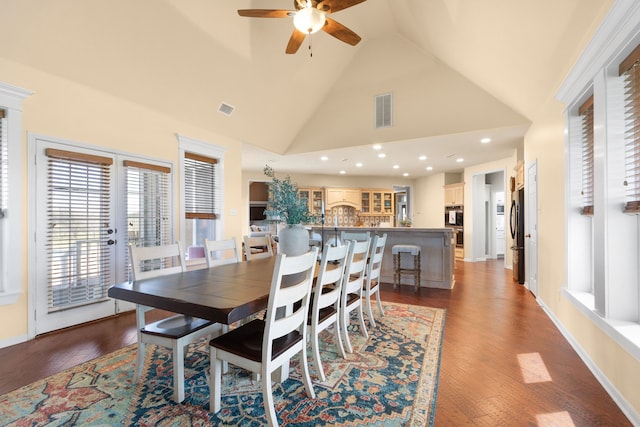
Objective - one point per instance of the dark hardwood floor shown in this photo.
(491, 322)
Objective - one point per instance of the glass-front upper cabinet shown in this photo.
(315, 197)
(377, 202)
(316, 201)
(366, 202)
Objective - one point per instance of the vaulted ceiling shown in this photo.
(458, 69)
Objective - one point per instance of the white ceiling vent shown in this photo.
(226, 109)
(384, 106)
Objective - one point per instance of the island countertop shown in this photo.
(436, 252)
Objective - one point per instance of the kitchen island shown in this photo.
(437, 252)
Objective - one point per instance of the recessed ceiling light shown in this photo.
(423, 157)
(377, 147)
(429, 168)
(485, 140)
(359, 164)
(396, 166)
(459, 160)
(324, 158)
(343, 172)
(382, 155)
(405, 174)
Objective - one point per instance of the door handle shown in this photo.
(527, 235)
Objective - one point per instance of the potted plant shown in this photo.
(285, 205)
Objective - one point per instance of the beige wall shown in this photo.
(544, 143)
(428, 201)
(68, 111)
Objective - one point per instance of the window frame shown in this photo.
(194, 146)
(602, 251)
(11, 271)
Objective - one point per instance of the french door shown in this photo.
(89, 204)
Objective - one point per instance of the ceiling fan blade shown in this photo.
(264, 13)
(341, 32)
(295, 41)
(338, 5)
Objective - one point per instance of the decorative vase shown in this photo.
(293, 240)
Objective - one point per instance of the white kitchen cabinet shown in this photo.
(454, 194)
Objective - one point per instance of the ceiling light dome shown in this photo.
(309, 20)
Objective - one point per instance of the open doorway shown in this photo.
(402, 200)
(488, 220)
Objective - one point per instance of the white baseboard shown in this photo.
(622, 403)
(13, 341)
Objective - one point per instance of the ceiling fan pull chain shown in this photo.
(310, 51)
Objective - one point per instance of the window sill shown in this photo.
(9, 298)
(626, 334)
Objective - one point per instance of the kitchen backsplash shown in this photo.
(346, 216)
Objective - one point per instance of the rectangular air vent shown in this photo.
(226, 109)
(384, 107)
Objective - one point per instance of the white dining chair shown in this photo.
(372, 276)
(174, 332)
(326, 300)
(257, 247)
(221, 252)
(262, 346)
(352, 282)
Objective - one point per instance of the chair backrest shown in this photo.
(329, 281)
(257, 247)
(291, 283)
(153, 261)
(221, 252)
(355, 268)
(355, 235)
(375, 258)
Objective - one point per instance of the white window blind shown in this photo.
(586, 116)
(78, 228)
(147, 206)
(630, 71)
(200, 186)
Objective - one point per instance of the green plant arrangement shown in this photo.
(406, 222)
(284, 204)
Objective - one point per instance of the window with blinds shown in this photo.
(78, 228)
(586, 117)
(201, 199)
(630, 72)
(200, 187)
(147, 201)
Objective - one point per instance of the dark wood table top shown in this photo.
(224, 294)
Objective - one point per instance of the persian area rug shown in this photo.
(390, 379)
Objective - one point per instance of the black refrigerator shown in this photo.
(516, 225)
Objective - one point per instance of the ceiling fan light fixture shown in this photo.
(309, 20)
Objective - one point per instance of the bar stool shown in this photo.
(397, 251)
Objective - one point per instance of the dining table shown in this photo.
(224, 294)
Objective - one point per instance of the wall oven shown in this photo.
(453, 216)
(458, 235)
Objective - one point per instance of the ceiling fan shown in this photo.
(309, 17)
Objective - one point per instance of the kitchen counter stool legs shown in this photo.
(398, 270)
